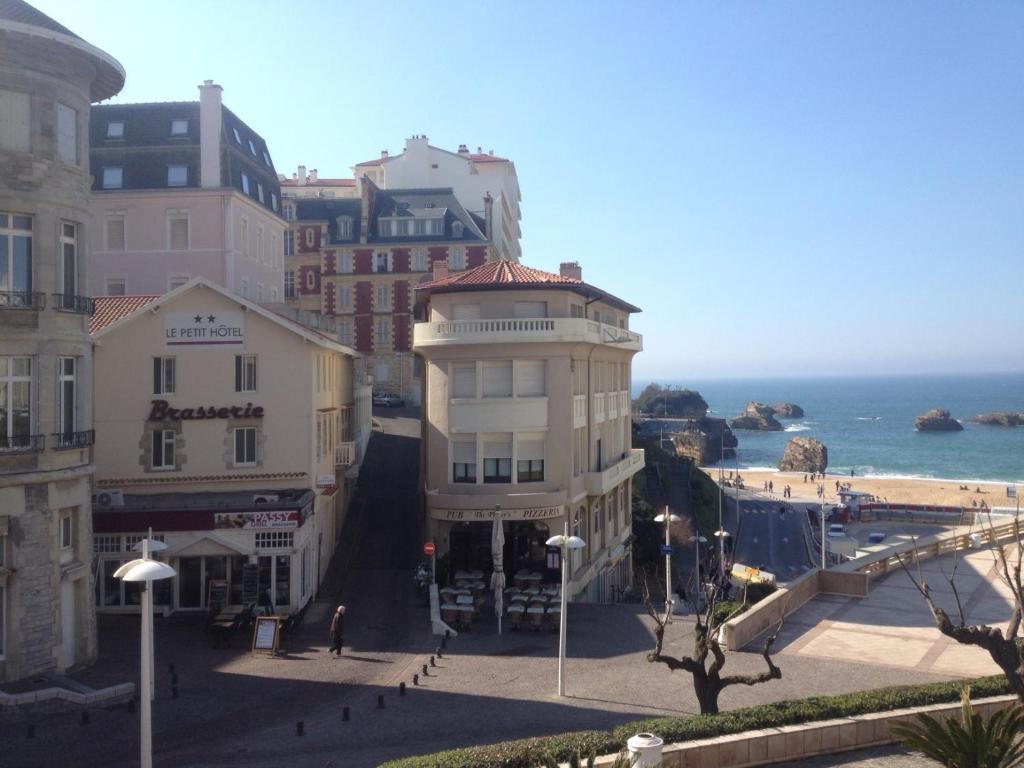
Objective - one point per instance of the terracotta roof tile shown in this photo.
(501, 272)
(110, 309)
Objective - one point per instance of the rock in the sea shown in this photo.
(788, 411)
(1000, 418)
(757, 416)
(705, 441)
(804, 454)
(937, 420)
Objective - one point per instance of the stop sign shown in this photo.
(428, 548)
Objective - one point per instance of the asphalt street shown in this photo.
(770, 534)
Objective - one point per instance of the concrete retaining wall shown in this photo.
(57, 698)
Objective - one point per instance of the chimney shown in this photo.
(313, 175)
(488, 217)
(440, 269)
(463, 149)
(302, 176)
(210, 117)
(571, 269)
(383, 154)
(479, 150)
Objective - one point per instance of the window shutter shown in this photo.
(531, 378)
(463, 380)
(530, 309)
(466, 312)
(531, 447)
(464, 451)
(498, 379)
(498, 446)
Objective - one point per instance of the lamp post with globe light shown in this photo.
(668, 518)
(697, 541)
(147, 571)
(565, 543)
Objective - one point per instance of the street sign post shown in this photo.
(666, 549)
(431, 551)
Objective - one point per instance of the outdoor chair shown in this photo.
(535, 616)
(515, 616)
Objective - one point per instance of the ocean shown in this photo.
(867, 423)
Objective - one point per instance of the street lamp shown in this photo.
(721, 534)
(154, 545)
(668, 518)
(697, 541)
(564, 542)
(146, 571)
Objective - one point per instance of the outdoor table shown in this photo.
(461, 575)
(535, 613)
(519, 599)
(464, 600)
(449, 613)
(462, 582)
(531, 592)
(465, 616)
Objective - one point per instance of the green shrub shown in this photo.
(529, 753)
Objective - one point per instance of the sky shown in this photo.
(785, 188)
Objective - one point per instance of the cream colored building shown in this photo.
(234, 434)
(48, 79)
(526, 408)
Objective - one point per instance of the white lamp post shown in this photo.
(721, 534)
(697, 541)
(146, 571)
(564, 542)
(668, 518)
(154, 546)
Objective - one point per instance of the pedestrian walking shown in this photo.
(338, 630)
(771, 487)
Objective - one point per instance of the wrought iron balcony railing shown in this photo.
(67, 302)
(66, 441)
(22, 443)
(22, 300)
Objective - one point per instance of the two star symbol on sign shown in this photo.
(209, 318)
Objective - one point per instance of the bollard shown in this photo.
(432, 663)
(344, 714)
(415, 679)
(31, 730)
(425, 673)
(401, 689)
(380, 701)
(438, 653)
(85, 717)
(300, 728)
(174, 691)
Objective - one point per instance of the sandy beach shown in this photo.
(892, 489)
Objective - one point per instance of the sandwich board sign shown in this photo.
(267, 635)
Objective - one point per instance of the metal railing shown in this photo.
(345, 454)
(22, 300)
(22, 443)
(66, 441)
(68, 302)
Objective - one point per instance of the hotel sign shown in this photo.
(487, 515)
(204, 329)
(257, 521)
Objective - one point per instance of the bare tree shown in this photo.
(1006, 650)
(705, 665)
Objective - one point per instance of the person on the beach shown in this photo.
(771, 487)
(805, 478)
(338, 630)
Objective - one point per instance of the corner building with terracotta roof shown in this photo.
(526, 409)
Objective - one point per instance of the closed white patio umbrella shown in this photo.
(497, 555)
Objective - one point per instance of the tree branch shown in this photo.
(773, 673)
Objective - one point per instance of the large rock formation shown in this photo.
(757, 416)
(804, 454)
(1000, 418)
(937, 420)
(705, 441)
(788, 411)
(657, 400)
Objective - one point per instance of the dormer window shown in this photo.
(235, 132)
(384, 228)
(113, 178)
(177, 175)
(457, 229)
(259, 191)
(273, 201)
(115, 129)
(266, 158)
(344, 227)
(289, 213)
(252, 148)
(179, 127)
(435, 226)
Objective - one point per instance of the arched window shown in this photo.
(457, 229)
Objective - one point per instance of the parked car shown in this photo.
(388, 400)
(876, 537)
(836, 530)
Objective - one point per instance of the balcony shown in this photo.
(66, 302)
(600, 413)
(579, 411)
(68, 441)
(22, 444)
(599, 483)
(345, 454)
(525, 330)
(22, 300)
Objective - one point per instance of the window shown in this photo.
(576, 310)
(497, 377)
(115, 286)
(266, 159)
(177, 175)
(15, 134)
(66, 530)
(530, 458)
(383, 298)
(289, 284)
(67, 134)
(245, 447)
(178, 233)
(419, 260)
(498, 458)
(245, 183)
(464, 459)
(380, 262)
(275, 539)
(163, 449)
(384, 228)
(458, 259)
(419, 227)
(259, 291)
(402, 227)
(115, 233)
(245, 373)
(179, 127)
(344, 263)
(252, 148)
(457, 229)
(344, 224)
(260, 242)
(244, 236)
(463, 380)
(465, 312)
(530, 378)
(113, 178)
(176, 281)
(383, 331)
(15, 259)
(15, 401)
(66, 397)
(106, 543)
(243, 288)
(273, 201)
(344, 297)
(289, 212)
(164, 373)
(68, 264)
(345, 332)
(234, 131)
(115, 129)
(259, 191)
(530, 309)
(289, 243)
